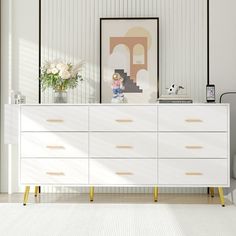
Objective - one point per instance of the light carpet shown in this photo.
(117, 219)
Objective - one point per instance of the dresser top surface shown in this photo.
(125, 104)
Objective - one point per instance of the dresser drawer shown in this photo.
(204, 172)
(54, 171)
(56, 144)
(123, 118)
(193, 145)
(54, 118)
(123, 172)
(193, 118)
(128, 145)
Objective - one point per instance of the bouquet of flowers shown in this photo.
(60, 76)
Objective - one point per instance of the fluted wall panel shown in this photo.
(70, 31)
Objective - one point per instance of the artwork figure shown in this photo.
(117, 86)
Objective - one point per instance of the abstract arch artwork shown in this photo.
(129, 46)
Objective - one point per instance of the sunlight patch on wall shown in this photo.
(27, 71)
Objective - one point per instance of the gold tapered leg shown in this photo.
(222, 199)
(155, 194)
(36, 191)
(212, 192)
(26, 195)
(91, 193)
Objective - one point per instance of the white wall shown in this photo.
(20, 54)
(19, 35)
(223, 55)
(223, 45)
(6, 62)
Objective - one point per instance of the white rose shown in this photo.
(59, 66)
(65, 74)
(65, 67)
(54, 71)
(49, 71)
(52, 66)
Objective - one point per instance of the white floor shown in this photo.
(113, 219)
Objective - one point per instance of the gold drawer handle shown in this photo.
(55, 173)
(193, 120)
(193, 173)
(193, 147)
(55, 147)
(124, 173)
(124, 147)
(124, 120)
(55, 121)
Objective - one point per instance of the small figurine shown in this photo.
(117, 86)
(174, 89)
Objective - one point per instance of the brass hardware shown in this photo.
(192, 120)
(222, 199)
(36, 191)
(155, 194)
(193, 173)
(193, 147)
(91, 193)
(55, 121)
(124, 147)
(124, 120)
(26, 195)
(212, 192)
(55, 147)
(124, 173)
(55, 173)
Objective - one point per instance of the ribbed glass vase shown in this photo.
(60, 96)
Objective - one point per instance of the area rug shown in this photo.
(117, 220)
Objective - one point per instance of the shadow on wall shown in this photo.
(231, 99)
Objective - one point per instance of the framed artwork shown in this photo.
(129, 48)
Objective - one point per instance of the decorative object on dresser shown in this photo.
(125, 145)
(117, 89)
(172, 95)
(210, 93)
(171, 99)
(174, 89)
(17, 98)
(60, 77)
(129, 47)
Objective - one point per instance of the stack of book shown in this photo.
(174, 100)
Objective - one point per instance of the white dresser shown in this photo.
(125, 145)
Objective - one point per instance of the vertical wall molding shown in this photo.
(40, 45)
(208, 42)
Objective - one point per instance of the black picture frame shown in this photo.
(134, 19)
